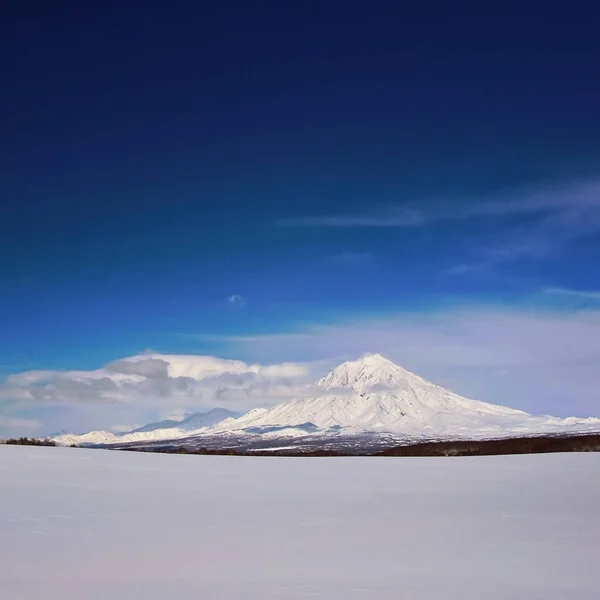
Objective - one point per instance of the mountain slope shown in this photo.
(162, 430)
(194, 421)
(368, 396)
(374, 394)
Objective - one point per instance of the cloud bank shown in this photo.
(147, 387)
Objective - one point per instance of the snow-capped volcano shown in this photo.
(371, 395)
(374, 394)
(367, 372)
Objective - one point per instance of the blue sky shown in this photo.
(328, 164)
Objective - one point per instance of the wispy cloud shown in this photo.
(568, 293)
(560, 216)
(551, 216)
(542, 199)
(387, 216)
(236, 300)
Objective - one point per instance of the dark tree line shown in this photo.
(524, 445)
(25, 441)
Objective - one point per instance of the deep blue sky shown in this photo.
(157, 160)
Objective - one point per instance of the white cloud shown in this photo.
(28, 377)
(236, 300)
(283, 370)
(148, 387)
(124, 428)
(175, 415)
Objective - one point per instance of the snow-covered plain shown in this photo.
(99, 524)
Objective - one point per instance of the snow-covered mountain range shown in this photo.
(371, 395)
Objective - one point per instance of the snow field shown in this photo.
(99, 524)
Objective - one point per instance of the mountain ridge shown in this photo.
(369, 395)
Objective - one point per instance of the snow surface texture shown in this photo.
(96, 524)
(371, 394)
